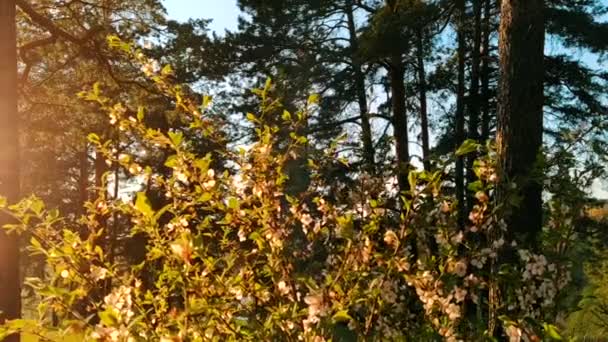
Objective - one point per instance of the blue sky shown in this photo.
(223, 12)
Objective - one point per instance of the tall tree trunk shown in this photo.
(459, 176)
(473, 129)
(424, 120)
(366, 128)
(400, 127)
(100, 169)
(100, 186)
(520, 110)
(485, 72)
(113, 234)
(83, 181)
(10, 287)
(520, 128)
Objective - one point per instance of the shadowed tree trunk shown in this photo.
(520, 111)
(10, 291)
(366, 130)
(474, 102)
(459, 177)
(397, 78)
(113, 233)
(424, 120)
(100, 190)
(519, 131)
(100, 169)
(485, 72)
(83, 181)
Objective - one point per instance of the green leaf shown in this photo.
(176, 138)
(202, 164)
(475, 186)
(551, 331)
(467, 147)
(412, 179)
(313, 99)
(37, 206)
(140, 113)
(167, 70)
(268, 84)
(286, 116)
(342, 316)
(96, 89)
(108, 318)
(233, 203)
(115, 42)
(172, 161)
(35, 243)
(142, 203)
(94, 138)
(125, 159)
(207, 101)
(251, 117)
(206, 197)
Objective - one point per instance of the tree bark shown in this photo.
(10, 287)
(424, 120)
(474, 102)
(100, 187)
(366, 130)
(83, 181)
(459, 176)
(485, 72)
(113, 233)
(520, 111)
(100, 169)
(398, 96)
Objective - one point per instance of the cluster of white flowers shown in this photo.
(244, 299)
(209, 181)
(151, 67)
(513, 333)
(117, 112)
(183, 248)
(98, 273)
(180, 176)
(275, 238)
(389, 291)
(317, 308)
(487, 171)
(535, 264)
(459, 268)
(120, 304)
(302, 213)
(435, 300)
(479, 259)
(135, 169)
(283, 288)
(363, 210)
(542, 281)
(391, 239)
(119, 334)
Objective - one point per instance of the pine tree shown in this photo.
(520, 114)
(10, 287)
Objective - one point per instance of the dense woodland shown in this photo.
(332, 170)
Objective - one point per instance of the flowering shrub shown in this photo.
(230, 254)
